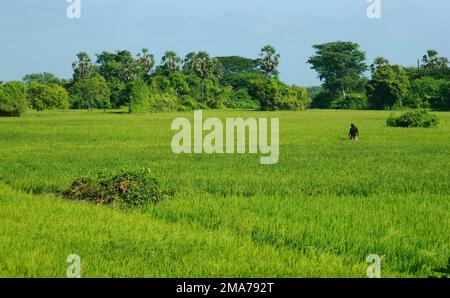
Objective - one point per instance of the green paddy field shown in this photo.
(319, 212)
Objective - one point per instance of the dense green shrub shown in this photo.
(242, 80)
(275, 95)
(13, 99)
(439, 73)
(90, 93)
(292, 98)
(321, 100)
(314, 91)
(187, 85)
(124, 188)
(187, 103)
(214, 94)
(47, 97)
(265, 91)
(137, 94)
(216, 103)
(240, 99)
(352, 101)
(117, 90)
(184, 84)
(443, 100)
(164, 101)
(414, 118)
(424, 93)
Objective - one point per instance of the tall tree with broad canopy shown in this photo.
(90, 93)
(121, 68)
(377, 62)
(388, 87)
(236, 64)
(340, 66)
(45, 78)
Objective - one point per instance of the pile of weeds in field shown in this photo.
(125, 188)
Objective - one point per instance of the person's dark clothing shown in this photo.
(354, 132)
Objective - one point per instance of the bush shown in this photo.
(266, 92)
(242, 80)
(137, 94)
(126, 189)
(443, 101)
(43, 97)
(424, 92)
(187, 103)
(13, 99)
(415, 118)
(117, 90)
(214, 94)
(240, 99)
(164, 101)
(321, 100)
(352, 101)
(90, 93)
(274, 95)
(292, 98)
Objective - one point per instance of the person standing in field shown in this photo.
(353, 135)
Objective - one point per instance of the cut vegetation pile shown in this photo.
(122, 189)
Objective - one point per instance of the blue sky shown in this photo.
(37, 35)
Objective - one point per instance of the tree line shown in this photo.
(341, 67)
(198, 81)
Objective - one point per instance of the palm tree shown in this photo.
(130, 71)
(432, 60)
(269, 60)
(83, 66)
(170, 62)
(203, 66)
(188, 62)
(146, 61)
